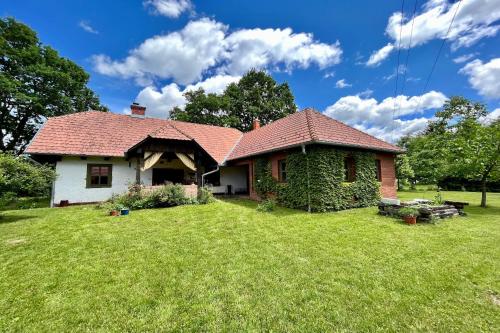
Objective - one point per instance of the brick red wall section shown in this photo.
(388, 184)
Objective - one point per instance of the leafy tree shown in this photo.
(203, 108)
(35, 83)
(256, 95)
(22, 177)
(404, 171)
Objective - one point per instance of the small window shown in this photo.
(378, 170)
(349, 169)
(99, 175)
(282, 170)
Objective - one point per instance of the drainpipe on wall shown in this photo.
(308, 183)
(206, 174)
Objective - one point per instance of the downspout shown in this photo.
(308, 182)
(208, 173)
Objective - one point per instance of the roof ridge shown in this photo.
(232, 149)
(310, 125)
(360, 131)
(178, 130)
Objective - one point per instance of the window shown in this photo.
(99, 175)
(282, 170)
(349, 169)
(378, 170)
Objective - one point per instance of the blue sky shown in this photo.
(338, 58)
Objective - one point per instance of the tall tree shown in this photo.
(35, 83)
(255, 96)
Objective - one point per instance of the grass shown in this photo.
(227, 267)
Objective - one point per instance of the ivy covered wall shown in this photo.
(317, 179)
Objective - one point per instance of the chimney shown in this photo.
(137, 110)
(256, 123)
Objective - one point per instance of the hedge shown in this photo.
(317, 178)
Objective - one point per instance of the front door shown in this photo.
(161, 176)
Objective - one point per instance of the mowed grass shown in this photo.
(226, 267)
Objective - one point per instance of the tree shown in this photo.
(404, 171)
(256, 95)
(203, 108)
(35, 83)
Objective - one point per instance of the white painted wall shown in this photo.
(71, 182)
(235, 176)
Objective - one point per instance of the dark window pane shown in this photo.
(104, 171)
(94, 171)
(94, 180)
(104, 180)
(378, 170)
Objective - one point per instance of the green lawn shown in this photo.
(227, 267)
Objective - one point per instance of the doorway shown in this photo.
(161, 176)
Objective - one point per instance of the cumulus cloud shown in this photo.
(465, 57)
(159, 103)
(490, 117)
(342, 84)
(170, 8)
(475, 20)
(375, 117)
(204, 45)
(377, 56)
(484, 77)
(85, 25)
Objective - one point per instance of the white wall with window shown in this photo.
(94, 179)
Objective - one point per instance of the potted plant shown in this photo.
(409, 214)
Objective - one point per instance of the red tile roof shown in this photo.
(97, 133)
(308, 126)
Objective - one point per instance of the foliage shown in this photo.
(408, 212)
(438, 199)
(459, 143)
(316, 180)
(22, 177)
(265, 184)
(404, 171)
(224, 266)
(256, 95)
(205, 196)
(139, 198)
(267, 205)
(35, 83)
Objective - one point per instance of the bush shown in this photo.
(205, 196)
(24, 177)
(408, 211)
(267, 205)
(138, 198)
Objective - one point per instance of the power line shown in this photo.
(408, 52)
(397, 67)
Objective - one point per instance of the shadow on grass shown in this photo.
(13, 218)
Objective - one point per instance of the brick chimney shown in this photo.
(256, 123)
(137, 110)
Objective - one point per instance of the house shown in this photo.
(97, 154)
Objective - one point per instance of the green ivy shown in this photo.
(317, 179)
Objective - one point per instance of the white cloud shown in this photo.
(329, 75)
(342, 84)
(204, 45)
(490, 117)
(475, 20)
(484, 77)
(377, 56)
(85, 25)
(159, 103)
(376, 117)
(170, 8)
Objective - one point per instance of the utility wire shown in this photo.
(397, 68)
(408, 53)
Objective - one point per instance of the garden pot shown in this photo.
(410, 219)
(114, 213)
(124, 212)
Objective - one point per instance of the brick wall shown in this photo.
(388, 172)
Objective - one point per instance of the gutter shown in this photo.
(208, 173)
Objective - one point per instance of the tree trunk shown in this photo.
(483, 192)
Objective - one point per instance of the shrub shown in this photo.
(205, 196)
(267, 205)
(24, 177)
(408, 211)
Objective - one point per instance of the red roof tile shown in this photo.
(307, 126)
(96, 133)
